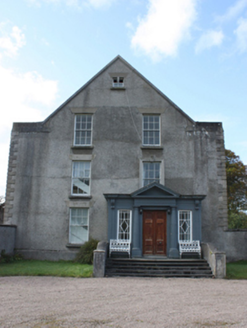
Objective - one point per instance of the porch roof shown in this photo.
(154, 190)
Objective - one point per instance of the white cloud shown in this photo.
(241, 34)
(166, 25)
(24, 98)
(233, 11)
(13, 42)
(209, 39)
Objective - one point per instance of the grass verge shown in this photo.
(236, 270)
(46, 268)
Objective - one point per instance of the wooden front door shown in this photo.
(154, 233)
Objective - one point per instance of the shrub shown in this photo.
(7, 258)
(85, 254)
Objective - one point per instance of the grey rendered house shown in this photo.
(117, 160)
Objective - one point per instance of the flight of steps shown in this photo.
(181, 268)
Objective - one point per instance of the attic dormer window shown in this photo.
(118, 82)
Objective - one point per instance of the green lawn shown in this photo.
(236, 270)
(46, 268)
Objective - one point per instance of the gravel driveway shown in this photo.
(122, 302)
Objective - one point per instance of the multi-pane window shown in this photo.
(185, 225)
(151, 130)
(118, 82)
(83, 130)
(78, 228)
(81, 178)
(124, 224)
(150, 173)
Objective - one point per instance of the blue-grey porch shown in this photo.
(154, 197)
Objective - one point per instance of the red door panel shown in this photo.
(154, 233)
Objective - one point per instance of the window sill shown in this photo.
(82, 147)
(152, 147)
(79, 197)
(74, 245)
(118, 89)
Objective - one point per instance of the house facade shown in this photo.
(117, 160)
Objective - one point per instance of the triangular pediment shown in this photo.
(121, 66)
(155, 190)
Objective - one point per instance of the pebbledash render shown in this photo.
(117, 154)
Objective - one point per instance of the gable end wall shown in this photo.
(38, 195)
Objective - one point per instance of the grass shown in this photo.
(236, 270)
(46, 268)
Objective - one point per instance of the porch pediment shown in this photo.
(155, 190)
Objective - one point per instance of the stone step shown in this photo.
(157, 264)
(172, 275)
(124, 260)
(158, 268)
(160, 272)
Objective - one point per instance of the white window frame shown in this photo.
(151, 131)
(130, 222)
(82, 225)
(118, 84)
(143, 172)
(191, 224)
(86, 130)
(81, 178)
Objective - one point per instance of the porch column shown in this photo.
(136, 247)
(112, 219)
(173, 252)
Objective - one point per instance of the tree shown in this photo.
(237, 220)
(236, 173)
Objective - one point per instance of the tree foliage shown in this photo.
(236, 173)
(237, 220)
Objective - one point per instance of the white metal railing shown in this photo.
(119, 245)
(189, 246)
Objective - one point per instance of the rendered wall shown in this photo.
(38, 195)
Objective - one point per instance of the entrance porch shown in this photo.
(153, 220)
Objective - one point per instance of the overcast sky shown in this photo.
(194, 51)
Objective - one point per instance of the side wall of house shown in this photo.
(210, 178)
(210, 172)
